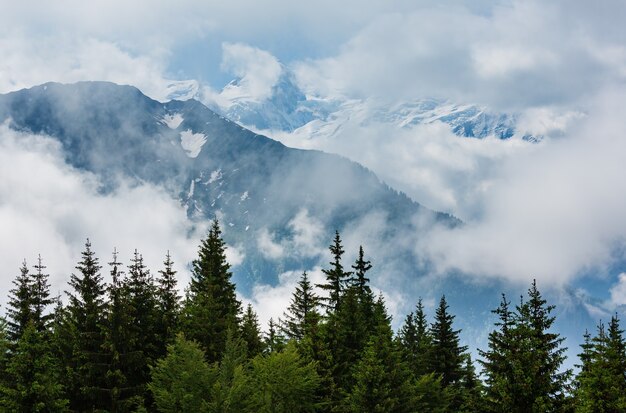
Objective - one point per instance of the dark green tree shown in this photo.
(251, 332)
(601, 382)
(302, 315)
(382, 380)
(274, 340)
(416, 341)
(211, 306)
(20, 307)
(448, 354)
(33, 382)
(41, 299)
(140, 290)
(168, 304)
(336, 277)
(86, 311)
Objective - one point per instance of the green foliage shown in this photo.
(211, 307)
(302, 315)
(336, 277)
(180, 380)
(85, 316)
(524, 359)
(282, 382)
(274, 340)
(168, 305)
(251, 332)
(601, 383)
(20, 310)
(33, 376)
(416, 341)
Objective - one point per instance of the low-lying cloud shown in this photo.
(50, 208)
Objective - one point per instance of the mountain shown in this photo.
(288, 108)
(280, 206)
(258, 187)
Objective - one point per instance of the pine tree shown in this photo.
(181, 380)
(33, 376)
(211, 305)
(601, 383)
(168, 302)
(41, 299)
(274, 340)
(251, 332)
(447, 352)
(336, 277)
(142, 308)
(20, 311)
(120, 346)
(524, 359)
(302, 315)
(382, 381)
(416, 341)
(86, 309)
(497, 361)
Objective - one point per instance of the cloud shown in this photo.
(618, 293)
(257, 70)
(50, 208)
(513, 55)
(555, 212)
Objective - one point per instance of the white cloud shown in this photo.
(618, 292)
(553, 212)
(268, 247)
(257, 70)
(49, 208)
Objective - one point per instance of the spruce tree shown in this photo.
(211, 306)
(447, 351)
(168, 303)
(121, 345)
(302, 315)
(336, 277)
(251, 332)
(416, 341)
(33, 376)
(601, 382)
(86, 309)
(41, 299)
(274, 340)
(20, 307)
(524, 359)
(142, 307)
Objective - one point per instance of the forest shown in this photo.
(136, 344)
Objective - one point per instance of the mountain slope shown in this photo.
(215, 167)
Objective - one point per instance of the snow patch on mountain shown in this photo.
(192, 142)
(173, 120)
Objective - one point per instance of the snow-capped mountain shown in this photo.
(257, 186)
(288, 109)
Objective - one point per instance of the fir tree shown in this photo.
(301, 316)
(41, 299)
(447, 352)
(181, 380)
(20, 310)
(251, 332)
(86, 309)
(142, 308)
(601, 383)
(168, 302)
(211, 305)
(274, 340)
(416, 341)
(33, 376)
(336, 277)
(120, 346)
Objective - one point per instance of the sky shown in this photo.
(552, 210)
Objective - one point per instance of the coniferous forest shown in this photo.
(135, 344)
